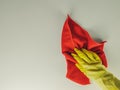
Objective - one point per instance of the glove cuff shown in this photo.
(108, 82)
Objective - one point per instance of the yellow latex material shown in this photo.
(90, 64)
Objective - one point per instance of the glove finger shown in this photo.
(82, 55)
(93, 56)
(97, 58)
(77, 58)
(89, 54)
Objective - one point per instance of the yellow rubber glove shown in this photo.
(90, 64)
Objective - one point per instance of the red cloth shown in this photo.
(73, 35)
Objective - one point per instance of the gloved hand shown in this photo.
(90, 64)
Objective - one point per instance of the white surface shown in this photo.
(30, 40)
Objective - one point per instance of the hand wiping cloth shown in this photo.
(74, 36)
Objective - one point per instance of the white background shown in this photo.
(30, 40)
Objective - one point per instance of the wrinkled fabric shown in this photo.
(74, 36)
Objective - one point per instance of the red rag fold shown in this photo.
(73, 35)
